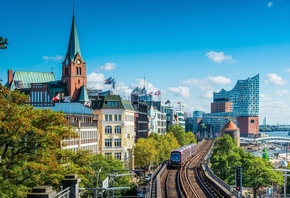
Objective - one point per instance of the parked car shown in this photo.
(147, 178)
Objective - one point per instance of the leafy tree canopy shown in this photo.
(145, 152)
(179, 133)
(226, 156)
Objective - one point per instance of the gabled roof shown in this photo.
(74, 44)
(23, 80)
(123, 104)
(127, 105)
(83, 95)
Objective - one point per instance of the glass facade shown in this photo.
(244, 96)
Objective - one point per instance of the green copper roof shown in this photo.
(74, 44)
(83, 96)
(127, 104)
(23, 80)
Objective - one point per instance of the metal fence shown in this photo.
(63, 194)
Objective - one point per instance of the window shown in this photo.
(108, 142)
(118, 156)
(113, 104)
(108, 117)
(118, 117)
(118, 129)
(252, 121)
(117, 142)
(108, 130)
(108, 155)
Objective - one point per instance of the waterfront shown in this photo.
(279, 152)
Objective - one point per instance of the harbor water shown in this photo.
(277, 151)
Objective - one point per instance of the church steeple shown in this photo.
(74, 67)
(73, 45)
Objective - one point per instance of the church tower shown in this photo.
(74, 67)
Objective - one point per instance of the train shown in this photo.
(180, 155)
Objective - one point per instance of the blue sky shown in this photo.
(187, 49)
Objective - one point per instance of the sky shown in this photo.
(187, 49)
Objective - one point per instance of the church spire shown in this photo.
(73, 45)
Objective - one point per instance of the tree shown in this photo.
(145, 153)
(3, 43)
(190, 138)
(30, 145)
(179, 133)
(164, 144)
(265, 154)
(256, 171)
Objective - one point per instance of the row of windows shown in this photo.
(116, 117)
(117, 142)
(89, 134)
(108, 129)
(117, 156)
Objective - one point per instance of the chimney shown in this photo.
(10, 76)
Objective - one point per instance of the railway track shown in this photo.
(191, 180)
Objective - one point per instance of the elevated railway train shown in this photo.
(180, 155)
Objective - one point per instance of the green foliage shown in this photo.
(145, 152)
(265, 154)
(30, 148)
(190, 138)
(154, 150)
(29, 144)
(3, 43)
(226, 156)
(179, 133)
(163, 145)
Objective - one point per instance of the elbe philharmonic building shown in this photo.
(241, 105)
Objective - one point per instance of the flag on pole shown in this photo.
(108, 81)
(66, 99)
(157, 93)
(167, 102)
(114, 83)
(88, 103)
(55, 98)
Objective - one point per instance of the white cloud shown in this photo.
(219, 57)
(219, 79)
(206, 85)
(192, 81)
(270, 4)
(96, 80)
(180, 91)
(274, 79)
(108, 66)
(123, 90)
(53, 58)
(281, 92)
(264, 97)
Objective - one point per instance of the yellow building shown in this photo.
(116, 128)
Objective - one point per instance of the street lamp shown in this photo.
(99, 171)
(96, 191)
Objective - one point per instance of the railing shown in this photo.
(63, 194)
